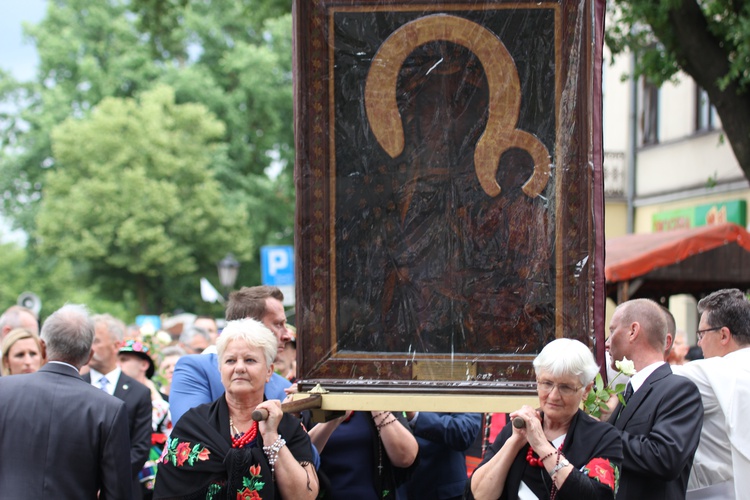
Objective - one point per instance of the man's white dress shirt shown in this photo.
(721, 468)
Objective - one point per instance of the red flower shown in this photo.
(255, 470)
(248, 494)
(602, 470)
(182, 452)
(203, 455)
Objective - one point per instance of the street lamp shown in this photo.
(228, 270)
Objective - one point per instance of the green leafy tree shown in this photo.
(14, 273)
(56, 282)
(244, 76)
(87, 50)
(233, 56)
(134, 200)
(707, 39)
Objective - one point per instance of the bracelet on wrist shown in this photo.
(272, 452)
(384, 423)
(545, 457)
(375, 417)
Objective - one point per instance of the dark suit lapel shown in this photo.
(629, 410)
(122, 388)
(639, 396)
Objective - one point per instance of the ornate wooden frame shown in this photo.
(320, 79)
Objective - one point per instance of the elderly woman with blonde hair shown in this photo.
(556, 451)
(217, 450)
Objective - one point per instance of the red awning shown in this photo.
(635, 255)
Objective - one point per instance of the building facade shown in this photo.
(667, 164)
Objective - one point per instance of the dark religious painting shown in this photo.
(446, 190)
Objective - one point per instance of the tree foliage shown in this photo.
(88, 50)
(231, 56)
(707, 39)
(134, 198)
(56, 282)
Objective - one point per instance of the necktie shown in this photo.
(104, 384)
(628, 392)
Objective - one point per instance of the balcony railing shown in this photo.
(615, 175)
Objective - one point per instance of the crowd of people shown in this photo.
(93, 408)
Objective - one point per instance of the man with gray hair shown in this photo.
(721, 468)
(18, 317)
(62, 438)
(194, 339)
(105, 374)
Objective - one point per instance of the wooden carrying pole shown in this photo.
(311, 402)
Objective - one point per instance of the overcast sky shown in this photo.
(19, 58)
(16, 55)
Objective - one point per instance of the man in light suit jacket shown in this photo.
(196, 378)
(61, 438)
(661, 422)
(105, 374)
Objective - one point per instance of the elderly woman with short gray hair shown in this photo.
(558, 452)
(217, 450)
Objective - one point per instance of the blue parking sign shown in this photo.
(277, 265)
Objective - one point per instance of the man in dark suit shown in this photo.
(107, 376)
(60, 437)
(661, 421)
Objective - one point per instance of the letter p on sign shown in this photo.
(277, 260)
(277, 265)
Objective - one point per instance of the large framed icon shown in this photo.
(448, 191)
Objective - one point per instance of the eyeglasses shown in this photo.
(545, 387)
(700, 333)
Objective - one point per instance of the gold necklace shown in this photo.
(232, 429)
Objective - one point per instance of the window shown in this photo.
(650, 117)
(705, 113)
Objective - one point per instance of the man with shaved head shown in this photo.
(661, 421)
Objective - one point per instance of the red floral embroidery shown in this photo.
(603, 471)
(248, 494)
(255, 470)
(182, 453)
(203, 455)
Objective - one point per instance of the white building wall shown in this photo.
(676, 109)
(616, 98)
(689, 162)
